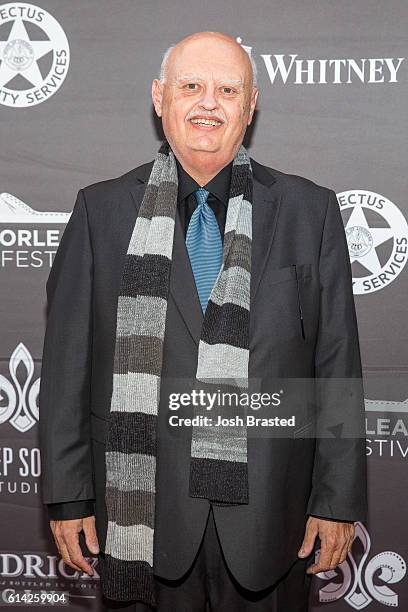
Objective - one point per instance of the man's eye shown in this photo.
(228, 90)
(191, 86)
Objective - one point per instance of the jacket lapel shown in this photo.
(265, 208)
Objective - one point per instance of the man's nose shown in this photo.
(209, 99)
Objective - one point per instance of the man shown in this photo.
(203, 264)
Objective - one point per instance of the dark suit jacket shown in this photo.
(302, 325)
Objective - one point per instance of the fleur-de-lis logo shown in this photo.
(359, 593)
(19, 402)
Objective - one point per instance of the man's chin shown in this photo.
(204, 147)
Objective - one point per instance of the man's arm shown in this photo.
(339, 475)
(339, 489)
(64, 427)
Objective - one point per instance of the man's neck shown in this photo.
(205, 171)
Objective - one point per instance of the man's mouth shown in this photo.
(204, 122)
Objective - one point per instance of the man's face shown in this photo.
(207, 100)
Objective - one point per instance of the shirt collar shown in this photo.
(218, 186)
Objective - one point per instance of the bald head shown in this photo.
(206, 99)
(208, 37)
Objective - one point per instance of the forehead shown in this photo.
(209, 59)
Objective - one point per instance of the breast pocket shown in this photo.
(286, 293)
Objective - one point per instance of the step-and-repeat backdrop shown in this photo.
(75, 108)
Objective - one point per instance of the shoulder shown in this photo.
(116, 186)
(291, 185)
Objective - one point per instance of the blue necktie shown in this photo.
(204, 246)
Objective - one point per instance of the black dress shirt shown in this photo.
(217, 198)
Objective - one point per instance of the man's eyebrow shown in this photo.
(234, 81)
(188, 77)
(194, 77)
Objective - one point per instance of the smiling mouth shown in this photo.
(206, 123)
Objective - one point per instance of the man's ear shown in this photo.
(252, 103)
(157, 96)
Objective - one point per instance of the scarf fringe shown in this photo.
(126, 580)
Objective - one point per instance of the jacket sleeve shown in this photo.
(339, 485)
(70, 510)
(64, 397)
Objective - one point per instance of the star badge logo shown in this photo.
(377, 238)
(34, 55)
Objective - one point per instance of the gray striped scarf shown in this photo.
(218, 467)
